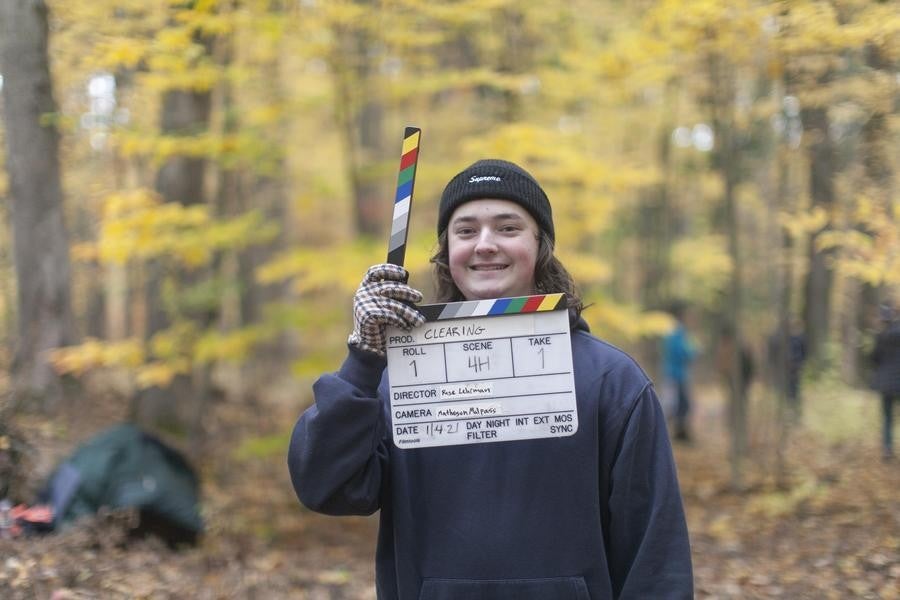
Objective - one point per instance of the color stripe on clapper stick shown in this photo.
(409, 158)
(493, 308)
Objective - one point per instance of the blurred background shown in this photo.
(194, 190)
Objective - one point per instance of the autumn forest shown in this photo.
(194, 188)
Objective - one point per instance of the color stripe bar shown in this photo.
(499, 307)
(551, 303)
(532, 304)
(411, 140)
(409, 159)
(491, 308)
(404, 191)
(406, 179)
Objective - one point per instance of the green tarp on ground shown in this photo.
(125, 467)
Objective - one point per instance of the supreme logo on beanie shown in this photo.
(496, 179)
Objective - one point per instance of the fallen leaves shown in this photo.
(832, 532)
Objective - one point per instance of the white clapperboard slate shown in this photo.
(483, 371)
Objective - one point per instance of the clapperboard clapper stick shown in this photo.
(406, 181)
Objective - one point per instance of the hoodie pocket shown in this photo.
(555, 588)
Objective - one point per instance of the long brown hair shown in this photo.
(550, 276)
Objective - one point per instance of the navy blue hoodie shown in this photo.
(592, 516)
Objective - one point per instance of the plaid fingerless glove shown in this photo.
(378, 302)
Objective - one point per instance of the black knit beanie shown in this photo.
(495, 179)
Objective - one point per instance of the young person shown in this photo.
(591, 516)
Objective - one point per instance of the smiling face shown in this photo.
(493, 247)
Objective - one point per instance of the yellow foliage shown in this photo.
(121, 52)
(543, 147)
(314, 363)
(581, 214)
(174, 342)
(207, 22)
(94, 353)
(460, 14)
(327, 268)
(869, 250)
(700, 267)
(700, 27)
(139, 225)
(230, 346)
(586, 268)
(269, 114)
(419, 250)
(174, 351)
(173, 74)
(459, 80)
(853, 240)
(802, 224)
(580, 93)
(615, 321)
(174, 40)
(815, 26)
(159, 373)
(341, 13)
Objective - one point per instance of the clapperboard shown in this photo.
(476, 371)
(483, 371)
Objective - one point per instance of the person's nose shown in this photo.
(486, 243)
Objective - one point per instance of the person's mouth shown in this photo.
(488, 267)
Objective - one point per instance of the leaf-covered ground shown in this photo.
(830, 530)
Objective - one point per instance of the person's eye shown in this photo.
(510, 228)
(464, 231)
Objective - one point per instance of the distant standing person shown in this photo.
(725, 366)
(886, 377)
(678, 354)
(787, 353)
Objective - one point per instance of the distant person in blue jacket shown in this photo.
(678, 354)
(591, 516)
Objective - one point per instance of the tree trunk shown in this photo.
(728, 165)
(180, 179)
(655, 225)
(360, 115)
(267, 192)
(819, 277)
(40, 240)
(877, 184)
(513, 59)
(738, 403)
(659, 224)
(778, 342)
